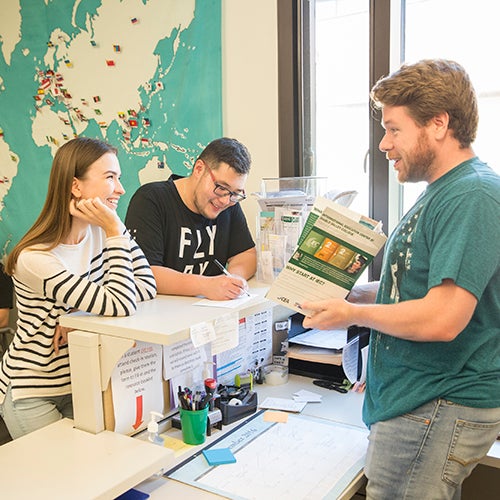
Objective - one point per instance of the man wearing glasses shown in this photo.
(185, 224)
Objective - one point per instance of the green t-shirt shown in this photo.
(452, 232)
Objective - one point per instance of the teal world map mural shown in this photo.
(144, 75)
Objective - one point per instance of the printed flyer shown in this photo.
(335, 247)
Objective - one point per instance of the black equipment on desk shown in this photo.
(236, 402)
(323, 371)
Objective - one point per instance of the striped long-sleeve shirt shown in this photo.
(100, 275)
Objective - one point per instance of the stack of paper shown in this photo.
(304, 396)
(282, 404)
(318, 346)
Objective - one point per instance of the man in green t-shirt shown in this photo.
(433, 380)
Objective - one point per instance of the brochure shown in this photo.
(334, 248)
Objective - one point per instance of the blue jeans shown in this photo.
(428, 453)
(27, 415)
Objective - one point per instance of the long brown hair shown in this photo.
(54, 222)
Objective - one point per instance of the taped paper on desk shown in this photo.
(334, 248)
(137, 387)
(302, 459)
(254, 348)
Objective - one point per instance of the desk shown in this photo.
(61, 462)
(493, 457)
(343, 408)
(335, 407)
(98, 342)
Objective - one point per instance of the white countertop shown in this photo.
(166, 320)
(61, 462)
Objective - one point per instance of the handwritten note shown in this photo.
(226, 333)
(202, 333)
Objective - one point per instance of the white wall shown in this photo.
(250, 87)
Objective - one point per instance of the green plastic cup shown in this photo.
(194, 425)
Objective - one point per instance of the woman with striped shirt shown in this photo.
(77, 256)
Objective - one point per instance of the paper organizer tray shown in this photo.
(231, 413)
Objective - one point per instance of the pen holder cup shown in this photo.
(194, 425)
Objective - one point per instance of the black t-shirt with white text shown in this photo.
(173, 236)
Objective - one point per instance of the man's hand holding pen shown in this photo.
(235, 286)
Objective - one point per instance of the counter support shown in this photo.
(86, 381)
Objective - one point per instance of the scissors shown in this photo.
(333, 386)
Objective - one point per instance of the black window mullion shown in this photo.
(377, 164)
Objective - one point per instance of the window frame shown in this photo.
(296, 100)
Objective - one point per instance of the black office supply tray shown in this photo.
(232, 413)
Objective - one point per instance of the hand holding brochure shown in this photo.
(335, 246)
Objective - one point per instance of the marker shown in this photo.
(226, 272)
(210, 387)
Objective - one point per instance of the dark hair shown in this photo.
(54, 222)
(226, 150)
(430, 87)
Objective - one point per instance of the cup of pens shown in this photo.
(193, 411)
(194, 425)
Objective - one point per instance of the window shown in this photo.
(468, 33)
(340, 48)
(342, 84)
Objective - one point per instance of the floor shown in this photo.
(482, 484)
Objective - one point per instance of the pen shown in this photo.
(205, 401)
(226, 272)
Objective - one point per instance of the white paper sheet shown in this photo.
(137, 387)
(226, 333)
(283, 404)
(327, 339)
(254, 347)
(228, 304)
(202, 333)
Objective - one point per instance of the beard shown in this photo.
(419, 161)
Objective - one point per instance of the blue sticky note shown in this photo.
(219, 456)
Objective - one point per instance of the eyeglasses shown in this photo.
(222, 191)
